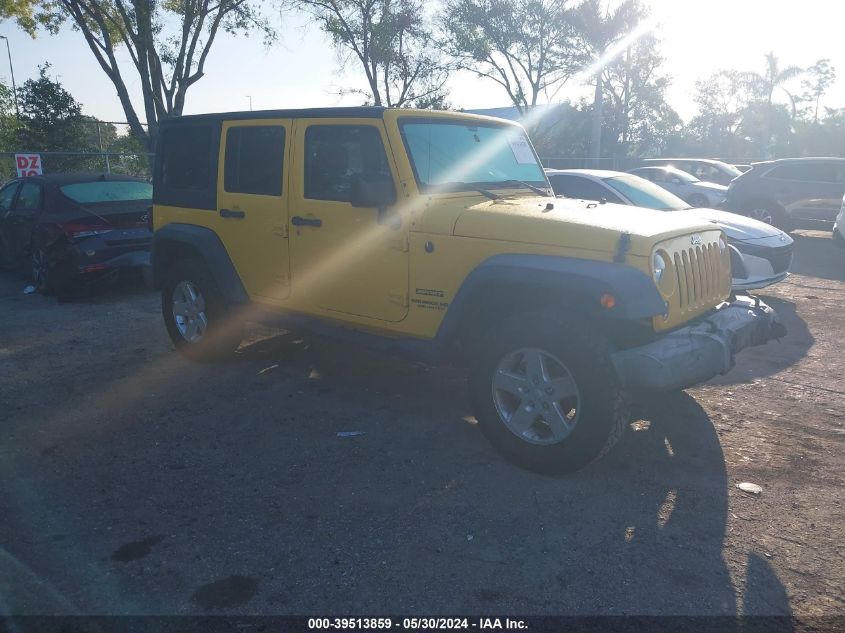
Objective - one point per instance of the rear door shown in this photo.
(343, 258)
(809, 190)
(252, 203)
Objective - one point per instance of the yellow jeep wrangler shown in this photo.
(437, 234)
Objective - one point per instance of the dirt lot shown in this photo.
(137, 482)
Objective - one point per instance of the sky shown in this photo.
(301, 69)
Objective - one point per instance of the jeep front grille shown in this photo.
(702, 277)
(698, 270)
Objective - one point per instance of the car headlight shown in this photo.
(658, 267)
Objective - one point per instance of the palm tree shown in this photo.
(600, 29)
(773, 78)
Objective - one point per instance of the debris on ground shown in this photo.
(349, 433)
(29, 290)
(750, 488)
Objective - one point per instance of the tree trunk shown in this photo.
(595, 140)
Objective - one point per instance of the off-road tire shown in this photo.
(605, 408)
(225, 329)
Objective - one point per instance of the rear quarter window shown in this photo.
(186, 166)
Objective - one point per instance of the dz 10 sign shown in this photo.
(28, 164)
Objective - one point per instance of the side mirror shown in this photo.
(372, 190)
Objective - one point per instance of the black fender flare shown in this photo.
(636, 295)
(202, 242)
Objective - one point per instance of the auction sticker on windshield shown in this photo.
(522, 150)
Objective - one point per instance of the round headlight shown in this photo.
(658, 267)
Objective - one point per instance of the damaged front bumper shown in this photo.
(698, 352)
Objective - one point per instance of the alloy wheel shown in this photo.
(189, 312)
(536, 396)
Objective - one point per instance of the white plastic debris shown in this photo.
(29, 290)
(747, 486)
(349, 433)
(266, 369)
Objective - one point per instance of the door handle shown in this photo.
(232, 213)
(300, 221)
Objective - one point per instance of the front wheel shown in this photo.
(198, 319)
(42, 273)
(546, 394)
(768, 213)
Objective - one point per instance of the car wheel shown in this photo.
(198, 319)
(698, 201)
(42, 274)
(766, 212)
(546, 394)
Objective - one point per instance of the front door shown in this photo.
(21, 220)
(345, 259)
(252, 199)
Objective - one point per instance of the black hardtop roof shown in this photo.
(366, 112)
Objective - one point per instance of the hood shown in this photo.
(577, 224)
(739, 227)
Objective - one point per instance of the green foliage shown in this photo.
(22, 12)
(528, 47)
(167, 42)
(392, 43)
(821, 77)
(637, 114)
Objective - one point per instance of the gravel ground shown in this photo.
(135, 482)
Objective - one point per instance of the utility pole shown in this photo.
(250, 102)
(12, 69)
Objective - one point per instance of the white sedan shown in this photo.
(760, 255)
(696, 192)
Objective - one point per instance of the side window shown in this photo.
(7, 194)
(335, 153)
(187, 158)
(804, 172)
(254, 160)
(29, 198)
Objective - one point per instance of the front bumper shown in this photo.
(700, 351)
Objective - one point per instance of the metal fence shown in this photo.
(132, 164)
(615, 163)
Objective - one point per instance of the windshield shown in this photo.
(643, 193)
(681, 175)
(108, 191)
(449, 155)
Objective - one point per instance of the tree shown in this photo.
(774, 77)
(22, 12)
(391, 41)
(636, 91)
(723, 99)
(528, 47)
(167, 42)
(600, 29)
(821, 78)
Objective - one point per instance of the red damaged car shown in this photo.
(75, 229)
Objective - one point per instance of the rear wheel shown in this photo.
(546, 394)
(698, 201)
(198, 319)
(768, 213)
